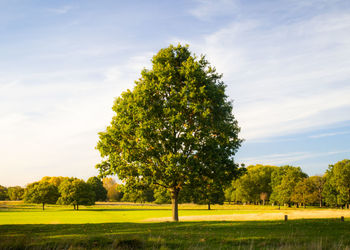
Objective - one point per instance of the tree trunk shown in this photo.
(174, 203)
(77, 206)
(321, 202)
(43, 206)
(209, 205)
(74, 206)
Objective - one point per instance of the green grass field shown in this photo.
(124, 227)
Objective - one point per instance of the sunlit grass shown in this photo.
(107, 226)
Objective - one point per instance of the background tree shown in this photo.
(115, 191)
(304, 192)
(341, 174)
(15, 193)
(330, 192)
(283, 182)
(228, 194)
(55, 180)
(161, 195)
(211, 192)
(41, 192)
(97, 187)
(318, 182)
(175, 121)
(76, 192)
(255, 184)
(3, 193)
(137, 191)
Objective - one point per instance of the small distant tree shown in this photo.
(115, 191)
(263, 197)
(318, 183)
(3, 193)
(283, 181)
(97, 186)
(330, 192)
(76, 192)
(138, 191)
(304, 192)
(15, 193)
(339, 179)
(41, 192)
(228, 194)
(209, 193)
(254, 182)
(161, 195)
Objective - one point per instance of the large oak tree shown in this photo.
(174, 128)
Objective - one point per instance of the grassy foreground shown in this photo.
(122, 227)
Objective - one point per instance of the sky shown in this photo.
(286, 65)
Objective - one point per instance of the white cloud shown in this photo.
(61, 10)
(285, 78)
(329, 134)
(50, 121)
(288, 158)
(207, 9)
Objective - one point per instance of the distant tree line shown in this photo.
(288, 185)
(58, 190)
(256, 184)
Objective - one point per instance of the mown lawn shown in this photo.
(19, 213)
(121, 227)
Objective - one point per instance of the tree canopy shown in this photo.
(337, 185)
(3, 193)
(283, 182)
(15, 193)
(97, 187)
(76, 192)
(174, 128)
(41, 192)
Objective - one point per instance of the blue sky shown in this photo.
(286, 65)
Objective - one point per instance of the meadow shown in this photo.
(148, 226)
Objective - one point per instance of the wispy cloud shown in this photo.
(329, 134)
(285, 78)
(207, 9)
(288, 158)
(61, 10)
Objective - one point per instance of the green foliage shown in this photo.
(210, 192)
(76, 192)
(161, 195)
(304, 192)
(330, 192)
(55, 180)
(337, 185)
(255, 184)
(15, 193)
(115, 191)
(283, 182)
(97, 186)
(137, 191)
(41, 192)
(174, 127)
(318, 183)
(3, 193)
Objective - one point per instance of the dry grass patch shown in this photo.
(261, 216)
